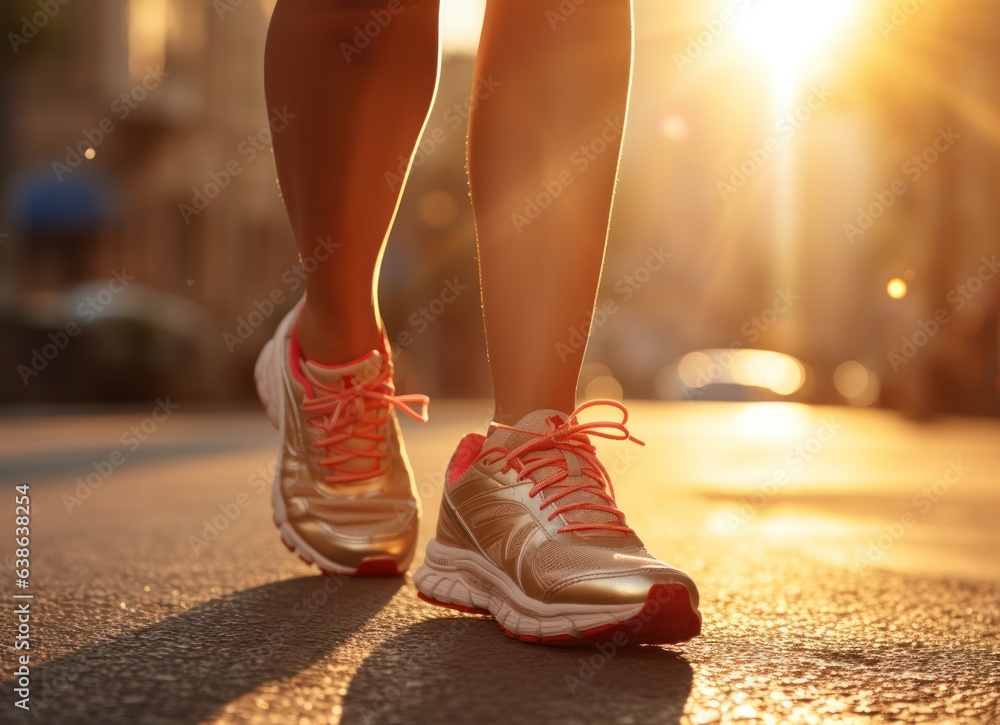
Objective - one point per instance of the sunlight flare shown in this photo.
(790, 37)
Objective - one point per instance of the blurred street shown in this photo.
(800, 295)
(860, 587)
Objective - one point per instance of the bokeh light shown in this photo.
(674, 127)
(771, 420)
(775, 371)
(604, 386)
(896, 288)
(859, 385)
(438, 208)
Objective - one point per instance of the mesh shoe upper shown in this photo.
(344, 486)
(557, 454)
(347, 409)
(536, 501)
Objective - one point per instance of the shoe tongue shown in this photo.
(340, 377)
(540, 421)
(543, 421)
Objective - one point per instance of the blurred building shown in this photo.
(133, 138)
(758, 200)
(149, 116)
(139, 105)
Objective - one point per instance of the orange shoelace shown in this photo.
(358, 412)
(572, 436)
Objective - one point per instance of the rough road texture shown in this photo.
(851, 590)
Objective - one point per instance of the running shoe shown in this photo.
(343, 493)
(530, 533)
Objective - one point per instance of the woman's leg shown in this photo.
(360, 100)
(551, 131)
(358, 78)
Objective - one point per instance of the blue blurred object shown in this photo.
(41, 204)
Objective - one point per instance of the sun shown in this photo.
(792, 37)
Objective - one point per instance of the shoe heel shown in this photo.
(440, 582)
(268, 383)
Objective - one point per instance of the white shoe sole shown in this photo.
(465, 580)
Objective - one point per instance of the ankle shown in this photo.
(511, 415)
(329, 343)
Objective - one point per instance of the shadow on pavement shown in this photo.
(188, 667)
(465, 670)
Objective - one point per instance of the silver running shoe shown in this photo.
(530, 533)
(343, 492)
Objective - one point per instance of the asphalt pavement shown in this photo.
(848, 562)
